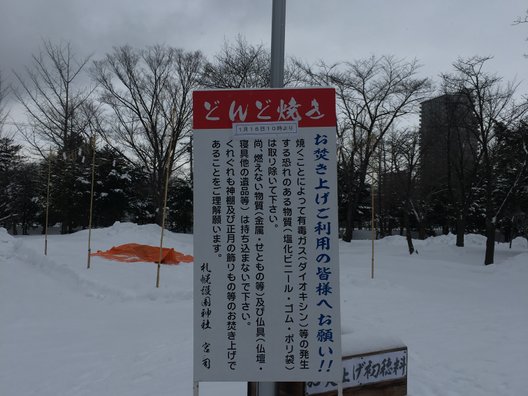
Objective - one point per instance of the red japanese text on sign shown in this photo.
(219, 109)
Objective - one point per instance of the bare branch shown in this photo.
(49, 94)
(148, 96)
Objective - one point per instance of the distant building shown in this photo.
(447, 141)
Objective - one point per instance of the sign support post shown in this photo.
(278, 33)
(278, 28)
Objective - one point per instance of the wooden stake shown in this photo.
(91, 204)
(47, 205)
(163, 215)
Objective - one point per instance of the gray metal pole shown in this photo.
(278, 28)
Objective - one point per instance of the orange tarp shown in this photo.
(134, 252)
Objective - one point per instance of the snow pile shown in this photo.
(520, 243)
(6, 241)
(67, 330)
(475, 240)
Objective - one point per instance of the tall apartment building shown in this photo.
(448, 141)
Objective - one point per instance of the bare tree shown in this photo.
(491, 103)
(7, 153)
(148, 92)
(52, 98)
(3, 97)
(372, 95)
(521, 20)
(238, 65)
(242, 65)
(405, 155)
(451, 158)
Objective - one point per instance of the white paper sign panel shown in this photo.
(265, 346)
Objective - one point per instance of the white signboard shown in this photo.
(363, 370)
(266, 276)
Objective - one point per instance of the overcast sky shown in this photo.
(435, 32)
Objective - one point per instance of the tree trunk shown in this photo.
(390, 226)
(421, 230)
(408, 235)
(158, 194)
(460, 228)
(349, 225)
(490, 242)
(381, 227)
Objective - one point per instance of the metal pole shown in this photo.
(278, 28)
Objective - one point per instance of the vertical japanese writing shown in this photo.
(216, 222)
(245, 230)
(260, 289)
(216, 204)
(323, 289)
(301, 255)
(205, 292)
(287, 252)
(231, 256)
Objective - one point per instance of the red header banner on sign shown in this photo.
(220, 109)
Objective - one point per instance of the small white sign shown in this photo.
(259, 129)
(367, 369)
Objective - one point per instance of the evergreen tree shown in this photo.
(114, 189)
(511, 194)
(180, 205)
(26, 200)
(10, 161)
(71, 183)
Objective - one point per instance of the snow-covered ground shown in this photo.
(66, 330)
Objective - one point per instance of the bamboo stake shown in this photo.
(372, 220)
(91, 204)
(47, 205)
(164, 214)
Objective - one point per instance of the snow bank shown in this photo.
(4, 236)
(67, 258)
(520, 243)
(6, 240)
